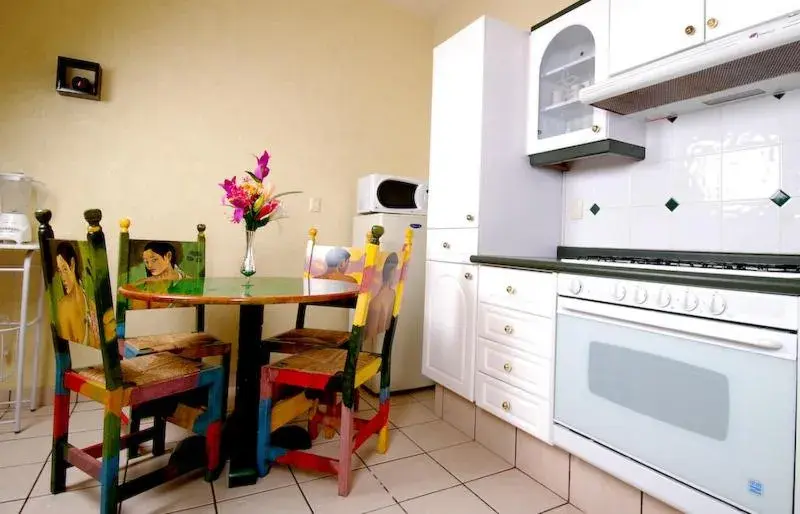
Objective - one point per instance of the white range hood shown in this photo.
(759, 61)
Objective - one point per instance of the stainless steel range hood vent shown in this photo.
(765, 59)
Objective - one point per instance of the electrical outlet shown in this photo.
(315, 205)
(576, 210)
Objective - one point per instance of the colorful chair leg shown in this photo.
(213, 431)
(58, 475)
(109, 471)
(345, 450)
(263, 436)
(383, 433)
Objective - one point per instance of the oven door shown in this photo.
(709, 403)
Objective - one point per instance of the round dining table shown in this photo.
(251, 295)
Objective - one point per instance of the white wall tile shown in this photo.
(790, 168)
(790, 226)
(696, 226)
(696, 179)
(647, 182)
(721, 165)
(751, 123)
(750, 226)
(697, 133)
(650, 226)
(751, 174)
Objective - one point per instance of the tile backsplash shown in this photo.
(722, 179)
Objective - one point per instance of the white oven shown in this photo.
(701, 403)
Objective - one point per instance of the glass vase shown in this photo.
(248, 268)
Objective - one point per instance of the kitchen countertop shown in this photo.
(756, 284)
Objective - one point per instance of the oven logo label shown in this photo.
(755, 487)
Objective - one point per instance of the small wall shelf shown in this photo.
(81, 79)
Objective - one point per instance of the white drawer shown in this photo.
(525, 332)
(527, 291)
(529, 373)
(452, 245)
(525, 411)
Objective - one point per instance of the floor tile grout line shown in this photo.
(214, 497)
(551, 509)
(541, 484)
(33, 486)
(302, 493)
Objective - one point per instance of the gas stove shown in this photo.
(750, 308)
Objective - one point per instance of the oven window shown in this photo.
(686, 396)
(395, 194)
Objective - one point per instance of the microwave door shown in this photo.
(396, 194)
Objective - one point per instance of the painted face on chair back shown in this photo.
(66, 271)
(157, 264)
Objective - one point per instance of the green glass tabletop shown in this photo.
(239, 290)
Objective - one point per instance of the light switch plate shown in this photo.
(315, 205)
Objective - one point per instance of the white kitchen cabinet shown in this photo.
(456, 130)
(567, 54)
(448, 343)
(645, 31)
(483, 195)
(725, 17)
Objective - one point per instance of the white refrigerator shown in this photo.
(406, 370)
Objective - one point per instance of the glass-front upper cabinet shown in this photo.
(569, 52)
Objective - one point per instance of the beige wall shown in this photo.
(458, 13)
(192, 88)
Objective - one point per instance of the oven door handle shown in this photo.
(592, 313)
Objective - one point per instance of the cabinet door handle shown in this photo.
(712, 23)
(470, 217)
(596, 129)
(506, 406)
(510, 290)
(507, 367)
(508, 329)
(468, 275)
(690, 30)
(445, 245)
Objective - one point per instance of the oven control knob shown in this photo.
(690, 301)
(618, 292)
(664, 298)
(717, 305)
(575, 286)
(640, 295)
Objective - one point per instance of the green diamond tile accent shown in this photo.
(672, 204)
(780, 198)
(594, 209)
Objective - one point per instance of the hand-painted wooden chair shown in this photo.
(157, 261)
(321, 261)
(82, 311)
(343, 370)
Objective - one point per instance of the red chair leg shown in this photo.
(345, 450)
(58, 475)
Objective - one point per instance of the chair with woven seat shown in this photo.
(323, 371)
(328, 262)
(78, 288)
(157, 262)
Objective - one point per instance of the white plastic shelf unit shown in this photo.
(21, 329)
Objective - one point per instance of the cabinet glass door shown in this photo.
(567, 66)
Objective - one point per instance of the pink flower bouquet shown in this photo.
(253, 199)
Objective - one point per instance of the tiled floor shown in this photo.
(430, 467)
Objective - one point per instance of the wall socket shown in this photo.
(315, 205)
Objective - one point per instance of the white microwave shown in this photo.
(396, 195)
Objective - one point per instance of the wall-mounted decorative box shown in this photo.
(81, 79)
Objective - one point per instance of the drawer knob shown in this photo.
(508, 329)
(470, 217)
(596, 129)
(712, 23)
(507, 367)
(506, 406)
(690, 30)
(468, 275)
(510, 290)
(445, 245)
